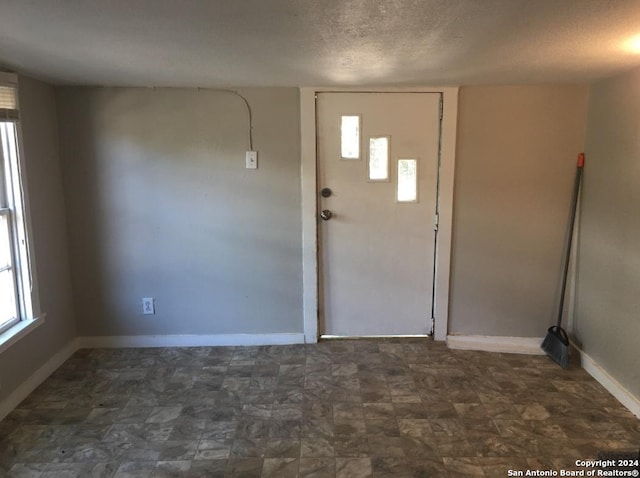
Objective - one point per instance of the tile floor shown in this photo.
(335, 409)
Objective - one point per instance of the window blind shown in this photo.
(8, 103)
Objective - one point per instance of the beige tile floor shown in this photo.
(350, 408)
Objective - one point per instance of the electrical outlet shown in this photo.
(252, 159)
(148, 306)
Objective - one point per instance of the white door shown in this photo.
(377, 246)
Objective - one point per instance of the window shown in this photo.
(15, 267)
(407, 180)
(379, 158)
(350, 137)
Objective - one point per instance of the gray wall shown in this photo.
(608, 283)
(160, 205)
(516, 155)
(44, 182)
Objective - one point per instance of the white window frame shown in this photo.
(14, 205)
(6, 217)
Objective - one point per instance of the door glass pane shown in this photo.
(407, 180)
(350, 137)
(8, 310)
(379, 159)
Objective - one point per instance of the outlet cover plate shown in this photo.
(148, 306)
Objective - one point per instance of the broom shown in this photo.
(556, 343)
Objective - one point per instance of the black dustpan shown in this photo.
(556, 343)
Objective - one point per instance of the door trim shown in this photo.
(309, 185)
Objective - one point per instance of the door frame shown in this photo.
(309, 186)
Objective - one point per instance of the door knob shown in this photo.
(326, 214)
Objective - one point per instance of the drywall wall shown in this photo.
(160, 205)
(607, 321)
(49, 234)
(516, 154)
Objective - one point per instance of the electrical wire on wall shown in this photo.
(250, 117)
(246, 103)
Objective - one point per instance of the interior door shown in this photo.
(377, 234)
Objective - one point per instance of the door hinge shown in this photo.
(435, 222)
(441, 107)
(433, 326)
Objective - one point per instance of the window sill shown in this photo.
(21, 329)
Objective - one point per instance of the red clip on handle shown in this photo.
(581, 160)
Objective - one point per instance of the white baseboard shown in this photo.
(40, 375)
(614, 387)
(485, 343)
(190, 340)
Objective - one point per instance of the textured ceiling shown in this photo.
(321, 42)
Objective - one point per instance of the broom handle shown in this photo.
(572, 220)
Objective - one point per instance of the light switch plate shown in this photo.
(252, 159)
